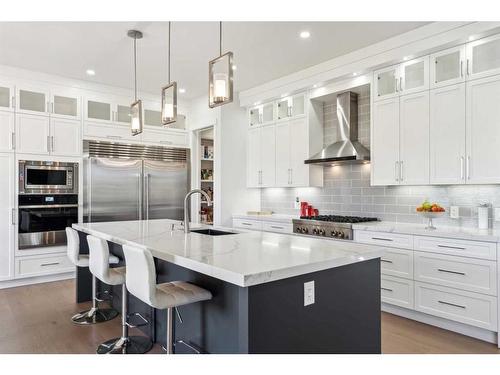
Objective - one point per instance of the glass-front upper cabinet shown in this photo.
(386, 82)
(261, 114)
(98, 109)
(6, 96)
(32, 100)
(292, 106)
(414, 76)
(123, 114)
(152, 117)
(65, 104)
(448, 67)
(483, 57)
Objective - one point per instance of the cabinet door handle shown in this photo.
(48, 143)
(52, 146)
(401, 84)
(13, 102)
(462, 166)
(396, 171)
(386, 260)
(13, 140)
(382, 239)
(276, 227)
(13, 216)
(113, 137)
(461, 68)
(467, 168)
(387, 289)
(452, 304)
(396, 84)
(52, 107)
(451, 247)
(468, 73)
(454, 272)
(401, 169)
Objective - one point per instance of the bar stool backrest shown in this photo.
(141, 274)
(99, 258)
(73, 246)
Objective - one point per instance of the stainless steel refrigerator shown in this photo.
(133, 182)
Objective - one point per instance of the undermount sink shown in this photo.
(211, 232)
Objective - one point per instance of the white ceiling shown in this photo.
(263, 50)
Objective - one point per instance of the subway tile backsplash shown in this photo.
(347, 189)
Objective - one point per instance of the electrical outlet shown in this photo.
(308, 293)
(454, 212)
(497, 213)
(296, 204)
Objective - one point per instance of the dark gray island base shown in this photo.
(269, 317)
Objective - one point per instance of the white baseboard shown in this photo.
(464, 329)
(36, 280)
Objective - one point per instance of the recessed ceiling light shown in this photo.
(305, 34)
(234, 67)
(182, 91)
(406, 58)
(314, 86)
(90, 72)
(354, 74)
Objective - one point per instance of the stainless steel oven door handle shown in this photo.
(51, 206)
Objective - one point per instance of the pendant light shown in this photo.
(136, 106)
(220, 77)
(169, 94)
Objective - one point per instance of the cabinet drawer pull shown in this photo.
(452, 247)
(454, 272)
(167, 142)
(382, 239)
(276, 227)
(248, 224)
(113, 137)
(386, 260)
(13, 140)
(49, 264)
(452, 304)
(386, 289)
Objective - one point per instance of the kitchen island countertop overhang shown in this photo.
(245, 258)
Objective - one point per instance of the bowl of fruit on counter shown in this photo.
(430, 211)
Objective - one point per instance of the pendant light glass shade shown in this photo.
(169, 94)
(169, 103)
(220, 77)
(136, 117)
(136, 123)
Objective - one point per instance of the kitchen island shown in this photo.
(258, 281)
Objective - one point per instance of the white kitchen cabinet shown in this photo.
(447, 67)
(291, 107)
(261, 158)
(414, 139)
(32, 134)
(7, 127)
(253, 158)
(122, 114)
(483, 57)
(414, 76)
(98, 109)
(299, 151)
(483, 131)
(165, 137)
(65, 103)
(385, 142)
(7, 216)
(108, 132)
(7, 93)
(447, 135)
(268, 156)
(283, 144)
(261, 114)
(32, 99)
(386, 82)
(65, 137)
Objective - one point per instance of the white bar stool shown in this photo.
(96, 314)
(141, 282)
(99, 266)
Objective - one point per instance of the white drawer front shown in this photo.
(385, 239)
(108, 132)
(465, 248)
(474, 275)
(164, 137)
(247, 224)
(396, 291)
(466, 307)
(269, 226)
(397, 262)
(45, 265)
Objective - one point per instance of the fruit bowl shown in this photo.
(430, 212)
(431, 216)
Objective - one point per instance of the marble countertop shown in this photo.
(475, 234)
(246, 258)
(279, 218)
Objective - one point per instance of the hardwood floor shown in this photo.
(36, 319)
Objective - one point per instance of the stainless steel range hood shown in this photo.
(347, 149)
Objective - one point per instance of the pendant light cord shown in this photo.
(220, 38)
(135, 68)
(169, 32)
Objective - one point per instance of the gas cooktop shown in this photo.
(333, 226)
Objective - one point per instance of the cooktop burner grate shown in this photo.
(340, 219)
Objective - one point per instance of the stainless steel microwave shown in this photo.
(47, 177)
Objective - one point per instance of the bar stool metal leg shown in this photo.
(95, 314)
(125, 344)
